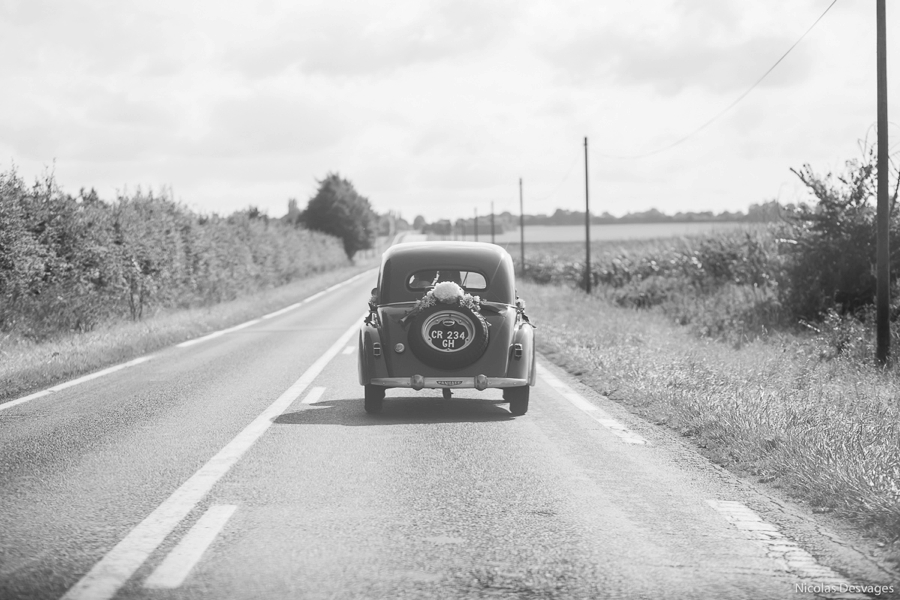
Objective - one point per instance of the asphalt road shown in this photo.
(244, 466)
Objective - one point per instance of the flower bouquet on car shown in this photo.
(445, 292)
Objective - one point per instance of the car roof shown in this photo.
(402, 260)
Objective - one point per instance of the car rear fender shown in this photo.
(521, 354)
(371, 355)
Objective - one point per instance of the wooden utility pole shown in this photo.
(476, 224)
(587, 225)
(492, 222)
(882, 267)
(521, 228)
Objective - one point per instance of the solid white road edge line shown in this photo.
(780, 547)
(349, 350)
(222, 332)
(314, 296)
(216, 334)
(67, 384)
(595, 412)
(137, 361)
(314, 395)
(179, 563)
(113, 570)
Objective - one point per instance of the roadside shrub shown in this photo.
(829, 248)
(724, 285)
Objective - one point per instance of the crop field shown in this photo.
(617, 231)
(724, 285)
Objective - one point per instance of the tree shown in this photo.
(337, 209)
(419, 223)
(831, 256)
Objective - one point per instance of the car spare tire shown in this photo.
(448, 336)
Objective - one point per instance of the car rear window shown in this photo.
(425, 280)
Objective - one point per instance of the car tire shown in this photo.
(448, 360)
(518, 399)
(374, 399)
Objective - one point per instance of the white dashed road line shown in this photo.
(314, 395)
(113, 570)
(67, 384)
(595, 412)
(179, 563)
(779, 547)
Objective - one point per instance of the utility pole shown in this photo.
(492, 222)
(476, 224)
(521, 228)
(882, 266)
(587, 225)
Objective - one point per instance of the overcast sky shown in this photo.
(437, 108)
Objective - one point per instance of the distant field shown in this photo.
(625, 231)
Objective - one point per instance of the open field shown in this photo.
(827, 432)
(539, 234)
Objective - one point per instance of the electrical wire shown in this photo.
(560, 184)
(730, 106)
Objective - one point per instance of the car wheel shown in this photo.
(518, 399)
(374, 399)
(448, 336)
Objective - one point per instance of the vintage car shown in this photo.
(446, 315)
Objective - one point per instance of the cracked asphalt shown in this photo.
(432, 499)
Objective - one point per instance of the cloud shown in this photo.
(270, 123)
(670, 66)
(369, 39)
(674, 45)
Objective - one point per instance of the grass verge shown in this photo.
(28, 366)
(825, 431)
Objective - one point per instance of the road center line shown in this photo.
(595, 412)
(179, 563)
(780, 547)
(119, 564)
(67, 384)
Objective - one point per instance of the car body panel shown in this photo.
(508, 360)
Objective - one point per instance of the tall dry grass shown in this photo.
(788, 410)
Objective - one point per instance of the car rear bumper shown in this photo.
(417, 382)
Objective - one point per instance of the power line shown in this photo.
(564, 179)
(730, 106)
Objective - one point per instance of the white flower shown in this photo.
(447, 291)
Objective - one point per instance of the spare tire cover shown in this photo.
(448, 336)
